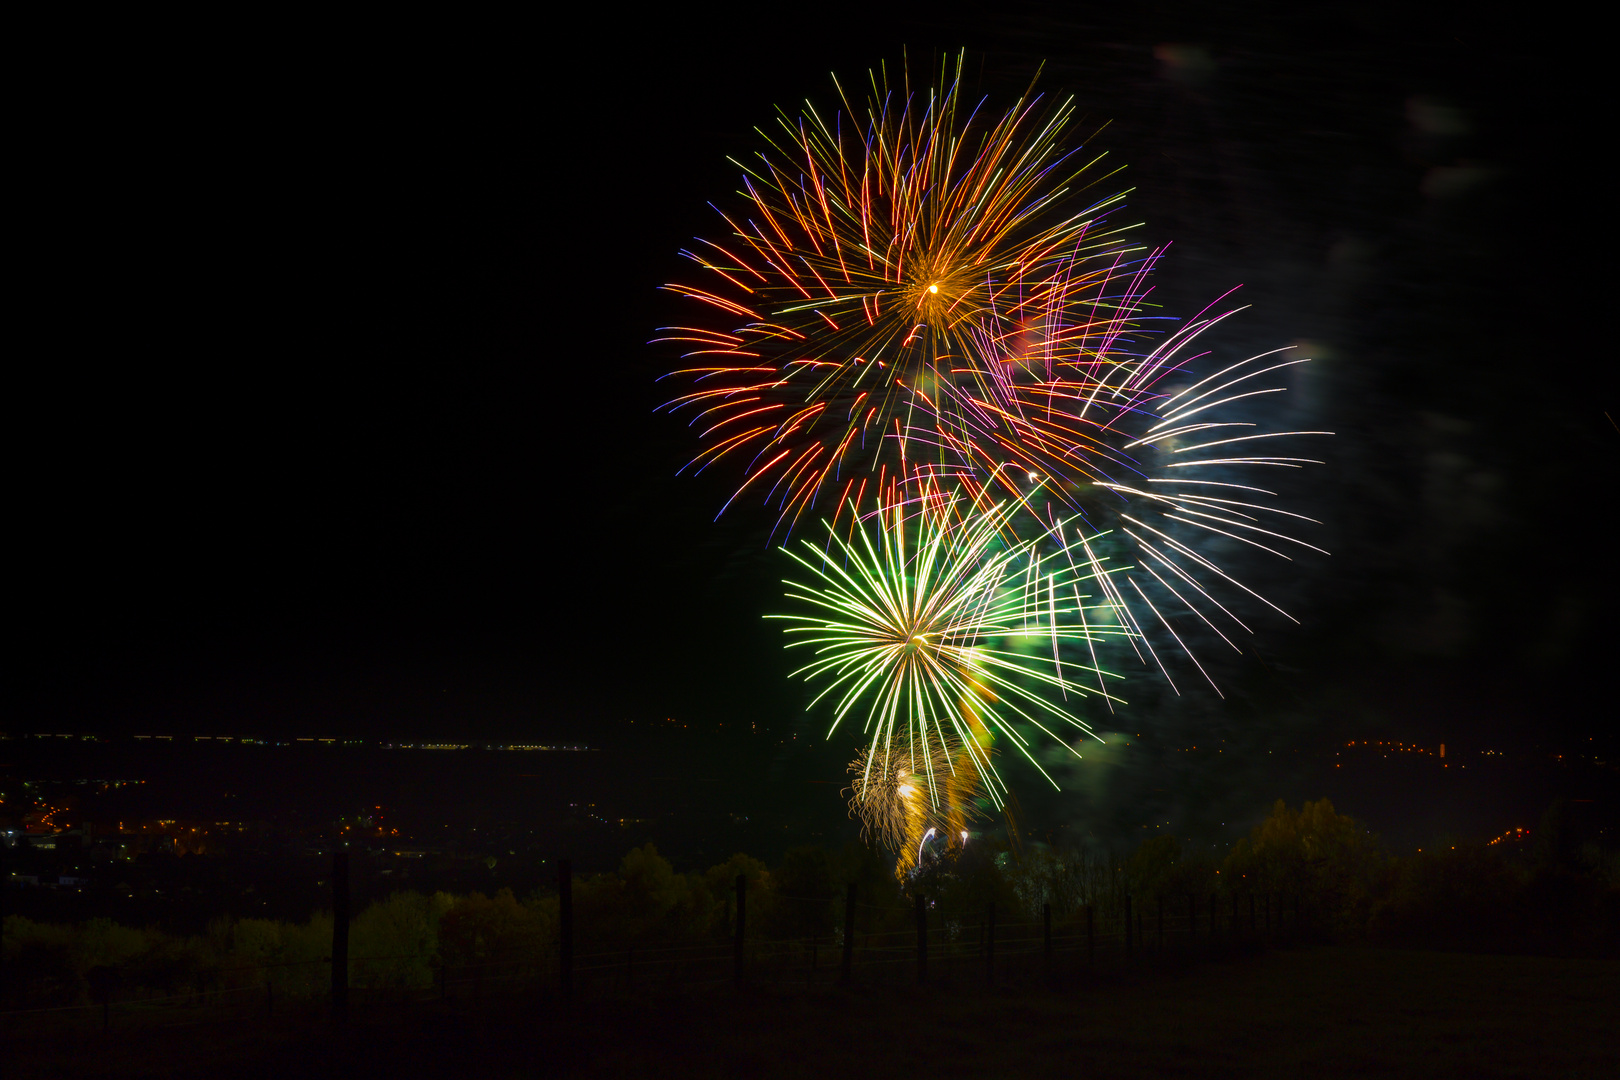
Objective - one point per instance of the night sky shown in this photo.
(337, 416)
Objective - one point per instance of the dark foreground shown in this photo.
(1325, 1012)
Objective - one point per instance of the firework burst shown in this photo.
(916, 304)
(883, 258)
(1163, 470)
(889, 795)
(947, 626)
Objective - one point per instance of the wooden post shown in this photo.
(1128, 949)
(102, 981)
(922, 939)
(1236, 926)
(1046, 937)
(741, 928)
(990, 946)
(849, 934)
(269, 995)
(340, 936)
(565, 927)
(1192, 918)
(1161, 922)
(1091, 938)
(1251, 915)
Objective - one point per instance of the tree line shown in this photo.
(1558, 892)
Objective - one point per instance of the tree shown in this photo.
(801, 904)
(1327, 859)
(395, 942)
(721, 883)
(482, 930)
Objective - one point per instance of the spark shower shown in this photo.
(918, 318)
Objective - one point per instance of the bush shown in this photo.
(1461, 896)
(395, 943)
(478, 930)
(40, 967)
(801, 904)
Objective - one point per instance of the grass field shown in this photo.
(1324, 1012)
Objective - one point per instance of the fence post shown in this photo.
(1192, 919)
(1251, 914)
(922, 938)
(1091, 939)
(742, 919)
(102, 980)
(1128, 949)
(565, 927)
(1161, 922)
(269, 995)
(990, 946)
(1046, 936)
(849, 934)
(340, 936)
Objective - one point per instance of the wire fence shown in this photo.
(949, 947)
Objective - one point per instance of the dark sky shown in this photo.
(339, 412)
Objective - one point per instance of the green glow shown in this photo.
(940, 623)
